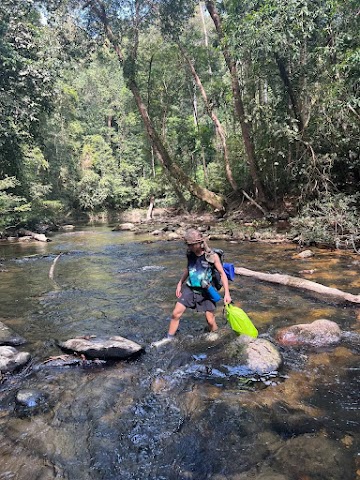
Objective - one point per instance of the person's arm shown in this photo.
(224, 279)
(183, 278)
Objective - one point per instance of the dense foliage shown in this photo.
(103, 105)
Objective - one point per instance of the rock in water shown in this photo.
(319, 333)
(114, 348)
(64, 361)
(30, 398)
(12, 360)
(256, 354)
(124, 226)
(9, 337)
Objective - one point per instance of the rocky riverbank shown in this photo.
(240, 225)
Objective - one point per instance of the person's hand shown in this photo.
(227, 298)
(178, 290)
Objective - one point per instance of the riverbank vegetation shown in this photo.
(198, 104)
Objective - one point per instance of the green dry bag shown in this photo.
(239, 321)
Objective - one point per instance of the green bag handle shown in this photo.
(239, 321)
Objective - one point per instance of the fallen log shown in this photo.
(299, 283)
(40, 237)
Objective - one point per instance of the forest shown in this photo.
(198, 104)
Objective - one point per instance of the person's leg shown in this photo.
(175, 318)
(210, 318)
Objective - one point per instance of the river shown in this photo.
(181, 411)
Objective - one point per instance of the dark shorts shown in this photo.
(195, 299)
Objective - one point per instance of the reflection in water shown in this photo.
(183, 411)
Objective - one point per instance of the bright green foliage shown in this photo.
(301, 91)
(71, 136)
(25, 81)
(10, 205)
(104, 183)
(26, 87)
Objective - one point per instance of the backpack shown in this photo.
(228, 269)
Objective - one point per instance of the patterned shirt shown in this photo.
(199, 269)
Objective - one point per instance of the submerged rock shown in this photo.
(308, 456)
(9, 337)
(115, 348)
(290, 422)
(256, 354)
(319, 333)
(62, 361)
(30, 398)
(12, 360)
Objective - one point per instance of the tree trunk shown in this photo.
(239, 106)
(287, 84)
(299, 283)
(196, 120)
(206, 37)
(150, 209)
(214, 118)
(217, 202)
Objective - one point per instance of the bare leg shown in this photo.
(210, 318)
(175, 318)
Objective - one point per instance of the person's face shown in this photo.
(195, 247)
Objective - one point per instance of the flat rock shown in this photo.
(115, 348)
(12, 360)
(257, 355)
(319, 333)
(305, 254)
(9, 337)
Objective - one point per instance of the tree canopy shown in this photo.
(105, 104)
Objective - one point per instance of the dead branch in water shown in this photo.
(299, 283)
(52, 268)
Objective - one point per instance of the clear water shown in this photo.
(183, 411)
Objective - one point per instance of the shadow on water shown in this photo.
(182, 411)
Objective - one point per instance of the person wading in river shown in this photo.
(192, 290)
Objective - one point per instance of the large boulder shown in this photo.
(319, 333)
(257, 355)
(12, 360)
(115, 348)
(9, 337)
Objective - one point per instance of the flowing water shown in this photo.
(182, 411)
